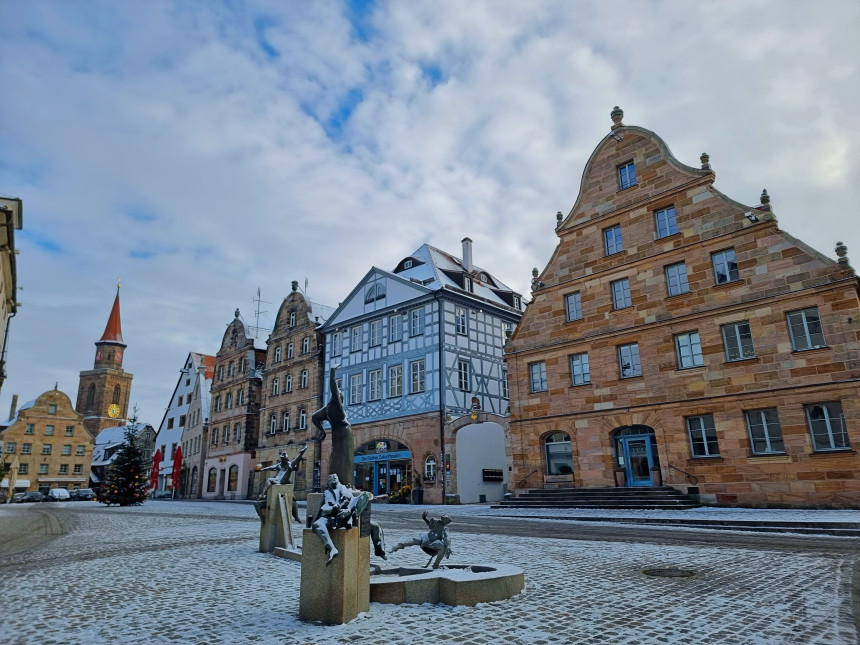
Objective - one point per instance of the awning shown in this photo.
(60, 479)
(22, 483)
(4, 483)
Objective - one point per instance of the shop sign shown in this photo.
(383, 456)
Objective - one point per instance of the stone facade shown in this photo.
(50, 444)
(292, 389)
(11, 218)
(234, 415)
(679, 336)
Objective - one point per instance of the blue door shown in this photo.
(638, 460)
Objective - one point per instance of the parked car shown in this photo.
(17, 498)
(58, 495)
(32, 496)
(82, 494)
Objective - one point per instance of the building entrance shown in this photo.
(382, 466)
(636, 454)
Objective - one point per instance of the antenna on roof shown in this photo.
(306, 287)
(258, 300)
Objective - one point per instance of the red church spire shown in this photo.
(113, 331)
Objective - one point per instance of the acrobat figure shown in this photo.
(285, 469)
(342, 441)
(341, 510)
(435, 542)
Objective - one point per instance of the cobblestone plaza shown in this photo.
(177, 572)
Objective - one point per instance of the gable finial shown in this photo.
(706, 161)
(842, 253)
(765, 199)
(558, 218)
(616, 115)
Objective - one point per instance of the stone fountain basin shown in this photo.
(453, 584)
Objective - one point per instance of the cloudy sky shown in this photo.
(202, 150)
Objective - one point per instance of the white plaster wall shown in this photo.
(479, 446)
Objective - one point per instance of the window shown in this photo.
(30, 429)
(504, 384)
(52, 408)
(375, 333)
(181, 420)
(666, 224)
(676, 279)
(689, 350)
(180, 401)
(303, 419)
(579, 373)
(460, 318)
(376, 292)
(240, 398)
(765, 432)
(22, 469)
(226, 435)
(46, 449)
(292, 319)
(395, 380)
(79, 450)
(467, 284)
(517, 303)
(336, 343)
(170, 423)
(211, 479)
(416, 369)
(573, 306)
(221, 373)
(273, 424)
(237, 432)
(621, 294)
(703, 436)
(354, 389)
(288, 383)
(64, 469)
(278, 354)
(79, 469)
(233, 478)
(70, 431)
(231, 371)
(626, 176)
(289, 350)
(464, 380)
(218, 403)
(214, 436)
(725, 266)
(407, 264)
(242, 364)
(628, 360)
(375, 385)
(827, 426)
(395, 328)
(559, 459)
(116, 394)
(355, 341)
(430, 468)
(537, 372)
(67, 450)
(49, 431)
(416, 322)
(612, 240)
(805, 329)
(276, 386)
(10, 446)
(26, 448)
(306, 345)
(43, 469)
(285, 422)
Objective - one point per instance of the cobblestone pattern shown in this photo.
(141, 576)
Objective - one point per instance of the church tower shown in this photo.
(104, 391)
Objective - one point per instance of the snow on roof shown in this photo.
(9, 422)
(321, 312)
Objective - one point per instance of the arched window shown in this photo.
(232, 369)
(233, 478)
(304, 378)
(285, 425)
(116, 393)
(376, 292)
(289, 350)
(237, 432)
(229, 400)
(559, 459)
(306, 345)
(213, 477)
(91, 397)
(240, 398)
(292, 319)
(273, 424)
(194, 481)
(278, 354)
(430, 469)
(288, 383)
(276, 388)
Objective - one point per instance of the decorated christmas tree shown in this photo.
(125, 482)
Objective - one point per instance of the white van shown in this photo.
(58, 495)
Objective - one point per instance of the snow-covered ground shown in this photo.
(189, 572)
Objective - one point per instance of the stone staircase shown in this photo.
(644, 497)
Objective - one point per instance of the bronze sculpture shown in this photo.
(285, 469)
(342, 441)
(341, 510)
(436, 542)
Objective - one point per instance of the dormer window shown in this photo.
(467, 284)
(517, 303)
(484, 277)
(407, 264)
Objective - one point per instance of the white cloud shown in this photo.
(206, 135)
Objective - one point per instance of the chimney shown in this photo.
(467, 254)
(14, 407)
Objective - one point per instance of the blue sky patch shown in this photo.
(140, 214)
(44, 242)
(336, 122)
(141, 254)
(433, 74)
(359, 13)
(261, 24)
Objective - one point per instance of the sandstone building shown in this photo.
(11, 217)
(292, 389)
(234, 415)
(678, 336)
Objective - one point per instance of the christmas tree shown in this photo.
(125, 482)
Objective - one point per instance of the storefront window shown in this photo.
(382, 466)
(233, 478)
(210, 485)
(559, 460)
